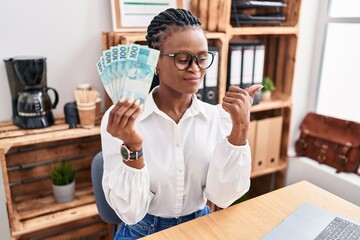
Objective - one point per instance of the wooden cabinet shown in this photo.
(280, 54)
(26, 159)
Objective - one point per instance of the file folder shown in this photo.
(259, 60)
(251, 137)
(274, 140)
(211, 78)
(267, 143)
(200, 92)
(234, 65)
(261, 145)
(246, 64)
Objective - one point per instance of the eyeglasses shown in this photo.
(184, 60)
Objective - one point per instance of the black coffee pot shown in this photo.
(36, 102)
(31, 103)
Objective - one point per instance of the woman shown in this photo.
(176, 151)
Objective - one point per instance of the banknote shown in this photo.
(108, 72)
(127, 71)
(104, 79)
(123, 49)
(139, 71)
(115, 71)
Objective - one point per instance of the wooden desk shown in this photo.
(254, 218)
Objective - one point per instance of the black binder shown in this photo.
(210, 92)
(200, 92)
(246, 64)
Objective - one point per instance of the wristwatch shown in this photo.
(129, 155)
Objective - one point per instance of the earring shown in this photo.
(156, 72)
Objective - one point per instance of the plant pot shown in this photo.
(265, 95)
(64, 193)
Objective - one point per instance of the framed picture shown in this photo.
(136, 15)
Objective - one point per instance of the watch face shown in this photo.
(124, 152)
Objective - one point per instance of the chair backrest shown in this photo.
(107, 214)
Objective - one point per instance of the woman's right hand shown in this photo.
(121, 123)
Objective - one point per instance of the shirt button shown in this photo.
(178, 144)
(179, 198)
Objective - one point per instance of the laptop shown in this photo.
(309, 222)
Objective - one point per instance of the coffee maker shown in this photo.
(31, 103)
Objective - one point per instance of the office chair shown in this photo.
(107, 214)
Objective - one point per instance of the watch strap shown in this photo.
(135, 154)
(129, 155)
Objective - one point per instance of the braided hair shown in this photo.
(167, 21)
(164, 24)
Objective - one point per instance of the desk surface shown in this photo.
(252, 219)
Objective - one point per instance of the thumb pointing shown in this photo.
(252, 89)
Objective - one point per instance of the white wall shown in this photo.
(304, 81)
(68, 33)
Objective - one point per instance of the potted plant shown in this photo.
(63, 182)
(267, 89)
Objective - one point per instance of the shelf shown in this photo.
(263, 30)
(13, 136)
(32, 216)
(274, 103)
(269, 170)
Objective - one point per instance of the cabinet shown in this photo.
(280, 52)
(26, 159)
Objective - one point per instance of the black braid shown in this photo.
(162, 25)
(162, 22)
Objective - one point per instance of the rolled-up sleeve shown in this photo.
(126, 189)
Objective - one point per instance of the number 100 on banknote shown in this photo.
(129, 76)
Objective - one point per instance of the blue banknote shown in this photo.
(104, 79)
(139, 71)
(127, 71)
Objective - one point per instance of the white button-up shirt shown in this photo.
(186, 163)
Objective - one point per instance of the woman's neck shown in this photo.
(171, 104)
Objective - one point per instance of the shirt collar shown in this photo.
(150, 107)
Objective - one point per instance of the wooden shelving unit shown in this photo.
(26, 159)
(280, 55)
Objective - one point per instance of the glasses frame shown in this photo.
(196, 58)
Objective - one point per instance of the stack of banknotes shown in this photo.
(127, 71)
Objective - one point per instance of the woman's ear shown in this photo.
(157, 69)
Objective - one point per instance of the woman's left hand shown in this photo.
(237, 102)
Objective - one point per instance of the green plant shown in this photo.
(62, 174)
(268, 85)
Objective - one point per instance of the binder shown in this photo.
(247, 66)
(200, 92)
(274, 140)
(234, 66)
(259, 60)
(211, 78)
(261, 145)
(267, 143)
(246, 63)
